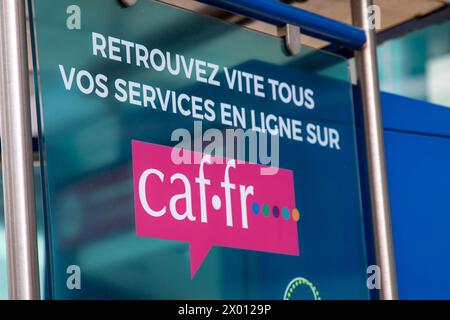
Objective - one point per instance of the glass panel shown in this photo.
(88, 136)
(418, 65)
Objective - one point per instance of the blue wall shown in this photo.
(417, 139)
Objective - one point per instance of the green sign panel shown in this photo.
(186, 158)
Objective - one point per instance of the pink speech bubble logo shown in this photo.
(216, 202)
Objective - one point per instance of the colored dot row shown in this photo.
(256, 208)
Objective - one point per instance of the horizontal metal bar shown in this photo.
(311, 24)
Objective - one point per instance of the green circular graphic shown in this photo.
(297, 283)
(266, 210)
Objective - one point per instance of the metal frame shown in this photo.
(280, 14)
(17, 153)
(16, 129)
(367, 73)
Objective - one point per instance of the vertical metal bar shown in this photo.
(17, 153)
(367, 71)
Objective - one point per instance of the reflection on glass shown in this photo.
(417, 65)
(87, 143)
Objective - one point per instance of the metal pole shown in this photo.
(17, 153)
(367, 70)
